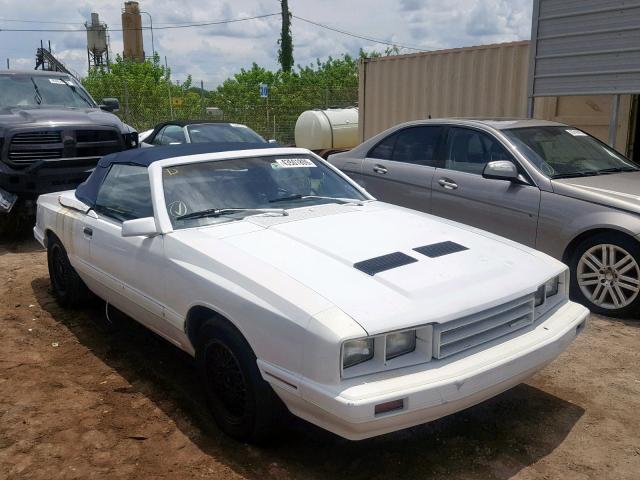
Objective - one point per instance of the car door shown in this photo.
(131, 269)
(399, 169)
(461, 193)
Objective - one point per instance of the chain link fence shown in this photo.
(273, 117)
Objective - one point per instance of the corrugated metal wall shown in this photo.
(585, 47)
(489, 81)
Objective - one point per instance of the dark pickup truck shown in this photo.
(52, 134)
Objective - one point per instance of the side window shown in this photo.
(469, 150)
(418, 145)
(384, 149)
(173, 134)
(125, 193)
(157, 140)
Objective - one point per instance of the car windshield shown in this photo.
(563, 152)
(224, 190)
(43, 91)
(223, 132)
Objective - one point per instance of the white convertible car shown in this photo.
(290, 284)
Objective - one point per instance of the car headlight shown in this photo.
(357, 351)
(548, 289)
(552, 287)
(400, 343)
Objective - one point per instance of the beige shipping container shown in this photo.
(488, 81)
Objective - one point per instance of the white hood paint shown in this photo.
(317, 246)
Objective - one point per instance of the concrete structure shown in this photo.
(132, 32)
(482, 81)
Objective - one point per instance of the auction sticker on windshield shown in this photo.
(576, 133)
(292, 163)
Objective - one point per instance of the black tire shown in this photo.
(68, 288)
(626, 244)
(243, 405)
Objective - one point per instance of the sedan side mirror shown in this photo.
(500, 170)
(110, 105)
(140, 227)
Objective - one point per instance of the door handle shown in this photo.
(447, 183)
(380, 169)
(87, 231)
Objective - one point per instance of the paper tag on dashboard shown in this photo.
(57, 81)
(576, 133)
(292, 163)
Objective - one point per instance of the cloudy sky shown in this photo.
(213, 53)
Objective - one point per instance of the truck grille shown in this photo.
(37, 138)
(469, 332)
(26, 148)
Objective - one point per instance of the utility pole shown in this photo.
(285, 53)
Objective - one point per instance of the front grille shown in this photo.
(26, 148)
(469, 332)
(37, 138)
(30, 156)
(97, 136)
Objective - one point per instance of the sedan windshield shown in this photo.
(225, 190)
(222, 132)
(42, 91)
(564, 152)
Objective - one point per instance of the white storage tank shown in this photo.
(334, 128)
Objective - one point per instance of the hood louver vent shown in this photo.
(384, 262)
(440, 249)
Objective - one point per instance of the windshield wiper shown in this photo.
(586, 173)
(38, 95)
(617, 170)
(218, 212)
(298, 196)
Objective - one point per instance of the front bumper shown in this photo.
(46, 177)
(432, 390)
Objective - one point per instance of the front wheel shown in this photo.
(605, 274)
(67, 286)
(243, 405)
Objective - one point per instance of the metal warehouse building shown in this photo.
(582, 67)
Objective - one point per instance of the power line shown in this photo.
(168, 27)
(362, 37)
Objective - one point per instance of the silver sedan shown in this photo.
(543, 184)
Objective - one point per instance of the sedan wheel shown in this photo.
(606, 274)
(609, 276)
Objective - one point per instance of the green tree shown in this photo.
(144, 90)
(285, 53)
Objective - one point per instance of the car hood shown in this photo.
(319, 246)
(619, 190)
(52, 117)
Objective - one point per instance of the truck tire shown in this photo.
(605, 274)
(243, 405)
(67, 287)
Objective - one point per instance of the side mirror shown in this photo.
(140, 227)
(500, 170)
(110, 105)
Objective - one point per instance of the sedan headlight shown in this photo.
(357, 351)
(400, 343)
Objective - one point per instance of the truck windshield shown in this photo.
(565, 152)
(224, 190)
(26, 90)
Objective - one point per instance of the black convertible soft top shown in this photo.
(88, 190)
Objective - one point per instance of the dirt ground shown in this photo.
(78, 400)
